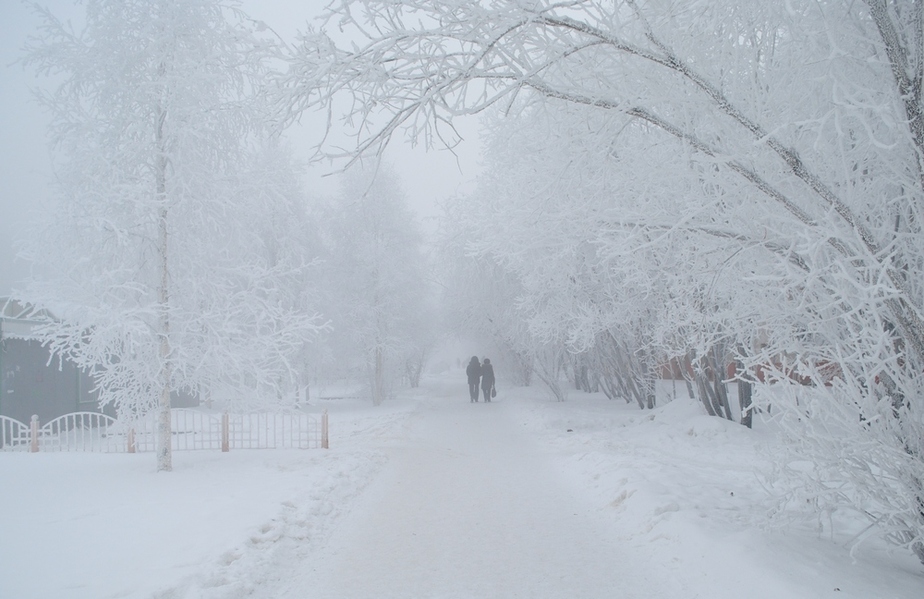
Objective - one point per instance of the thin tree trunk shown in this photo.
(164, 428)
(705, 393)
(686, 373)
(649, 382)
(722, 395)
(745, 392)
(715, 363)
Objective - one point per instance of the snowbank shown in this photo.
(684, 490)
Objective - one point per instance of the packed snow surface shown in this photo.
(432, 496)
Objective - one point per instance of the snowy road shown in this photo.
(469, 506)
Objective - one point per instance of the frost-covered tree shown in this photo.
(479, 294)
(156, 255)
(606, 266)
(377, 279)
(795, 134)
(423, 334)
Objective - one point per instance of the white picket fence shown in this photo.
(91, 431)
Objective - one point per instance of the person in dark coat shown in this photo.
(473, 370)
(487, 379)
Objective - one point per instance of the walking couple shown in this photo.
(485, 373)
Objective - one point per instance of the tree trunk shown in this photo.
(686, 372)
(745, 390)
(705, 393)
(164, 428)
(649, 381)
(719, 367)
(413, 367)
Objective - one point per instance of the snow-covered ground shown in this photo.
(432, 496)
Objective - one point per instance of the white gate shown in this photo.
(78, 431)
(83, 431)
(14, 434)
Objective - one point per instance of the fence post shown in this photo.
(131, 440)
(225, 433)
(324, 440)
(35, 433)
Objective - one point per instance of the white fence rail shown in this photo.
(14, 434)
(191, 430)
(275, 431)
(82, 431)
(199, 430)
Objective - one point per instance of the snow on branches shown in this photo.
(160, 255)
(691, 176)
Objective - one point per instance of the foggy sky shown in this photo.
(25, 158)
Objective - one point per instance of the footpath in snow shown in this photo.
(590, 498)
(469, 505)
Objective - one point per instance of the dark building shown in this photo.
(31, 380)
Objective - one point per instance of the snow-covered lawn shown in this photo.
(683, 492)
(94, 526)
(668, 497)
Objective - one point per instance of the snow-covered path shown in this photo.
(469, 506)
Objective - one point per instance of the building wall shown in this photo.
(30, 384)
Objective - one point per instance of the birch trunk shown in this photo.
(164, 432)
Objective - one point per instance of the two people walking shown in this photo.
(483, 372)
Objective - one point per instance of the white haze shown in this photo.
(727, 190)
(25, 156)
